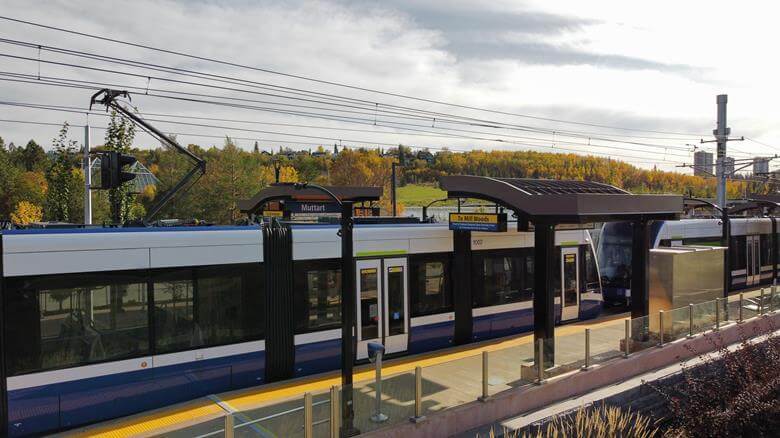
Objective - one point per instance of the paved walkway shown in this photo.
(450, 377)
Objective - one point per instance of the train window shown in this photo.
(766, 249)
(430, 291)
(207, 306)
(738, 253)
(502, 279)
(318, 295)
(68, 320)
(591, 272)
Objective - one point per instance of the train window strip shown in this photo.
(65, 321)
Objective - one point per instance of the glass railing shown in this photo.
(474, 375)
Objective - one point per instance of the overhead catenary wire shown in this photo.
(436, 135)
(326, 82)
(267, 86)
(360, 143)
(559, 148)
(392, 114)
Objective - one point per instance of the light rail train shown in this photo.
(100, 323)
(750, 250)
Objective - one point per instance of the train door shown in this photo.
(753, 253)
(570, 279)
(382, 296)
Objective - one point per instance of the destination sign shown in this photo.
(492, 222)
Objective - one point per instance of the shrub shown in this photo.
(733, 393)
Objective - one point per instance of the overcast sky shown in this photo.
(641, 65)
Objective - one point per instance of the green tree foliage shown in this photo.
(119, 138)
(62, 179)
(31, 158)
(55, 181)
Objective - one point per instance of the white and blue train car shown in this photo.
(101, 323)
(750, 250)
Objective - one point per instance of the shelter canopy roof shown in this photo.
(562, 201)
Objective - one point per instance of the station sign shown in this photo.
(300, 207)
(491, 222)
(273, 213)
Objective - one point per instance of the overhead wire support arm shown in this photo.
(108, 98)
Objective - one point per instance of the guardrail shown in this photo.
(411, 395)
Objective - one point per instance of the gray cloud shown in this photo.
(471, 31)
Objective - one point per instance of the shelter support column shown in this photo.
(640, 265)
(461, 275)
(544, 301)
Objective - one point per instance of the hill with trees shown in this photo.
(36, 185)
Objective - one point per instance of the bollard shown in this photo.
(741, 304)
(418, 416)
(587, 350)
(378, 416)
(771, 299)
(660, 328)
(690, 320)
(229, 426)
(717, 313)
(485, 394)
(540, 362)
(334, 411)
(628, 337)
(308, 427)
(761, 303)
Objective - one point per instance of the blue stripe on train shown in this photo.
(79, 402)
(508, 323)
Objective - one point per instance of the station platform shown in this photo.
(449, 378)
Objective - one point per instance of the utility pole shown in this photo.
(87, 178)
(721, 134)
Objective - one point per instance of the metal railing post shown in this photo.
(308, 414)
(717, 313)
(628, 338)
(660, 328)
(741, 304)
(485, 393)
(229, 426)
(761, 303)
(334, 412)
(378, 416)
(690, 320)
(540, 361)
(418, 416)
(587, 350)
(771, 298)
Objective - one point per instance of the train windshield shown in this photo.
(614, 254)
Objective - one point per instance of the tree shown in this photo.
(119, 138)
(61, 192)
(32, 157)
(257, 148)
(26, 212)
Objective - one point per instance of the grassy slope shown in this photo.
(413, 194)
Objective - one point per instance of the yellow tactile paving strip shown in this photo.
(203, 409)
